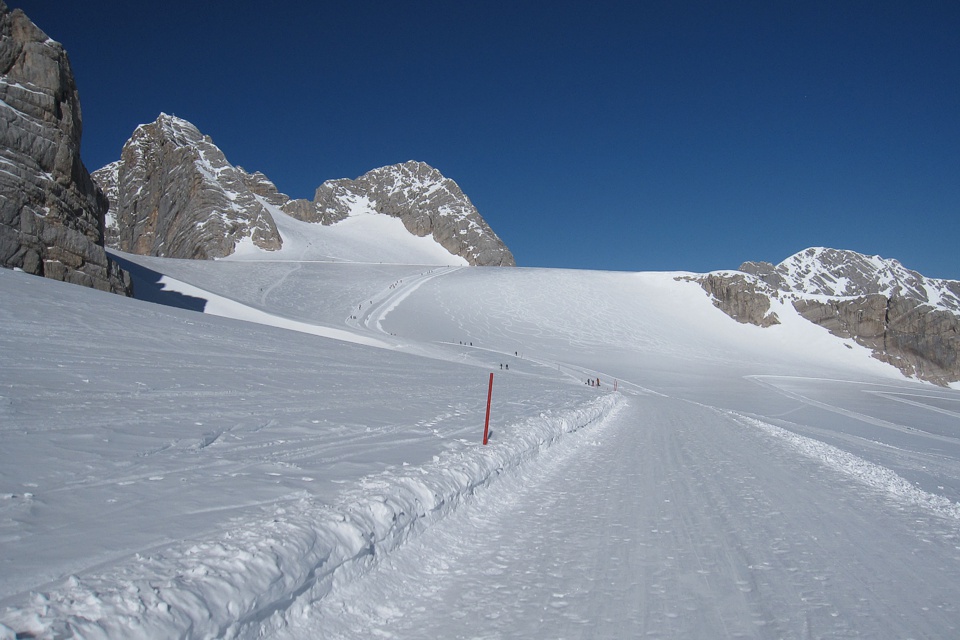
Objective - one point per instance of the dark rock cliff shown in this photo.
(51, 212)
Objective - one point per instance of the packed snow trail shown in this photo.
(372, 313)
(671, 520)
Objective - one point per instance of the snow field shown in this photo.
(363, 237)
(169, 473)
(868, 473)
(668, 520)
(226, 587)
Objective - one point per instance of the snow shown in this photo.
(224, 307)
(303, 460)
(823, 274)
(364, 236)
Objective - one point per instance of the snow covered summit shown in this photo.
(834, 273)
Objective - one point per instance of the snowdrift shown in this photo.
(220, 587)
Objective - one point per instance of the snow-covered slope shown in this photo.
(363, 237)
(169, 473)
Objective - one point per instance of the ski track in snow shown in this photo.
(720, 543)
(386, 301)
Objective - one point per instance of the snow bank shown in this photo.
(866, 472)
(227, 585)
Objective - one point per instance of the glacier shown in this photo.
(304, 459)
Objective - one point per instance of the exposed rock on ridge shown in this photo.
(906, 319)
(173, 194)
(422, 198)
(260, 185)
(836, 273)
(51, 212)
(741, 297)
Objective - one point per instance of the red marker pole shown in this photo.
(486, 422)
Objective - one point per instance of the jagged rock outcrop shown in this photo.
(919, 340)
(421, 197)
(741, 297)
(906, 319)
(106, 179)
(838, 273)
(51, 212)
(173, 194)
(260, 185)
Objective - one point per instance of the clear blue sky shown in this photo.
(601, 135)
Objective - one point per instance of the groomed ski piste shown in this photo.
(303, 458)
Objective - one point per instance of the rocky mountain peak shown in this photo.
(905, 318)
(259, 184)
(52, 213)
(835, 273)
(425, 201)
(174, 194)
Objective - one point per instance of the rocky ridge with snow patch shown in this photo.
(174, 194)
(905, 318)
(422, 198)
(51, 213)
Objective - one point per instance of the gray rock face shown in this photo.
(919, 340)
(173, 194)
(51, 212)
(422, 198)
(906, 319)
(107, 179)
(843, 274)
(260, 185)
(741, 297)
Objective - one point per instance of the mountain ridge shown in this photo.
(173, 193)
(905, 318)
(836, 273)
(425, 201)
